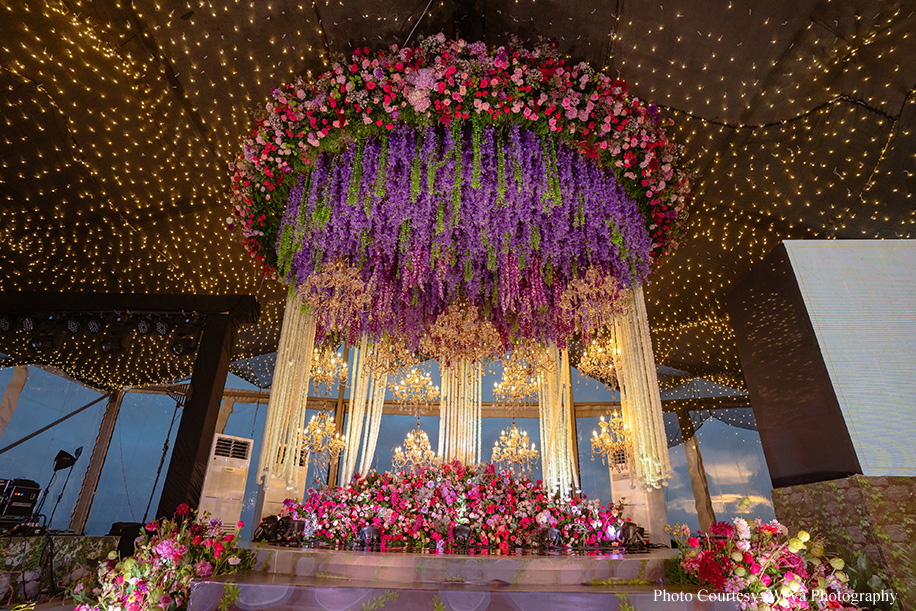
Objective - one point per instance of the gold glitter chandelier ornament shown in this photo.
(514, 450)
(612, 444)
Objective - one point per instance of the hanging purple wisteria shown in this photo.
(497, 181)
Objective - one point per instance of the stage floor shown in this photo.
(276, 592)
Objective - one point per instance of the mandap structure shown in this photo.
(463, 203)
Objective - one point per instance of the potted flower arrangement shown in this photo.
(167, 557)
(763, 566)
(424, 506)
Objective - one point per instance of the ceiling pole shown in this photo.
(184, 479)
(83, 506)
(698, 481)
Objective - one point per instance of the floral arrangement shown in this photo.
(423, 507)
(762, 566)
(158, 575)
(452, 172)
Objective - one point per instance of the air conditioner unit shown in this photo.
(224, 484)
(276, 491)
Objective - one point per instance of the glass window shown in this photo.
(736, 470)
(126, 486)
(45, 398)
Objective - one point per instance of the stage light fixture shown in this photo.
(74, 324)
(94, 325)
(144, 326)
(184, 345)
(42, 343)
(6, 324)
(28, 323)
(111, 344)
(163, 326)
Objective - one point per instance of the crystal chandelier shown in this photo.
(598, 361)
(515, 450)
(613, 442)
(416, 451)
(415, 388)
(515, 386)
(321, 441)
(328, 368)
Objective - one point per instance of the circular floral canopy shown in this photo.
(496, 191)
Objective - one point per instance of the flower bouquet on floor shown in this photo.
(762, 566)
(166, 558)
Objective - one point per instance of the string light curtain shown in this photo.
(559, 462)
(460, 411)
(367, 400)
(639, 395)
(283, 431)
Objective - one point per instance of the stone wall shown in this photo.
(875, 515)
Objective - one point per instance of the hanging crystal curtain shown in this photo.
(367, 400)
(559, 463)
(459, 411)
(639, 396)
(283, 431)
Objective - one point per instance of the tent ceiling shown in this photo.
(118, 120)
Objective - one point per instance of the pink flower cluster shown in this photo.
(441, 81)
(422, 507)
(762, 563)
(166, 558)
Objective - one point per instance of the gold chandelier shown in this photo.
(598, 361)
(321, 441)
(328, 368)
(416, 452)
(513, 450)
(515, 386)
(613, 443)
(415, 388)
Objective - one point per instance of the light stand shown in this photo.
(63, 460)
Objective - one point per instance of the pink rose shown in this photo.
(693, 542)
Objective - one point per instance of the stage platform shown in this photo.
(431, 568)
(305, 579)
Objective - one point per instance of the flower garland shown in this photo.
(423, 506)
(157, 577)
(453, 172)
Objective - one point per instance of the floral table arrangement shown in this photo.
(763, 567)
(167, 557)
(424, 507)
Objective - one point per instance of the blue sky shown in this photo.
(733, 457)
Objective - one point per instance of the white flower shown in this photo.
(742, 528)
(234, 560)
